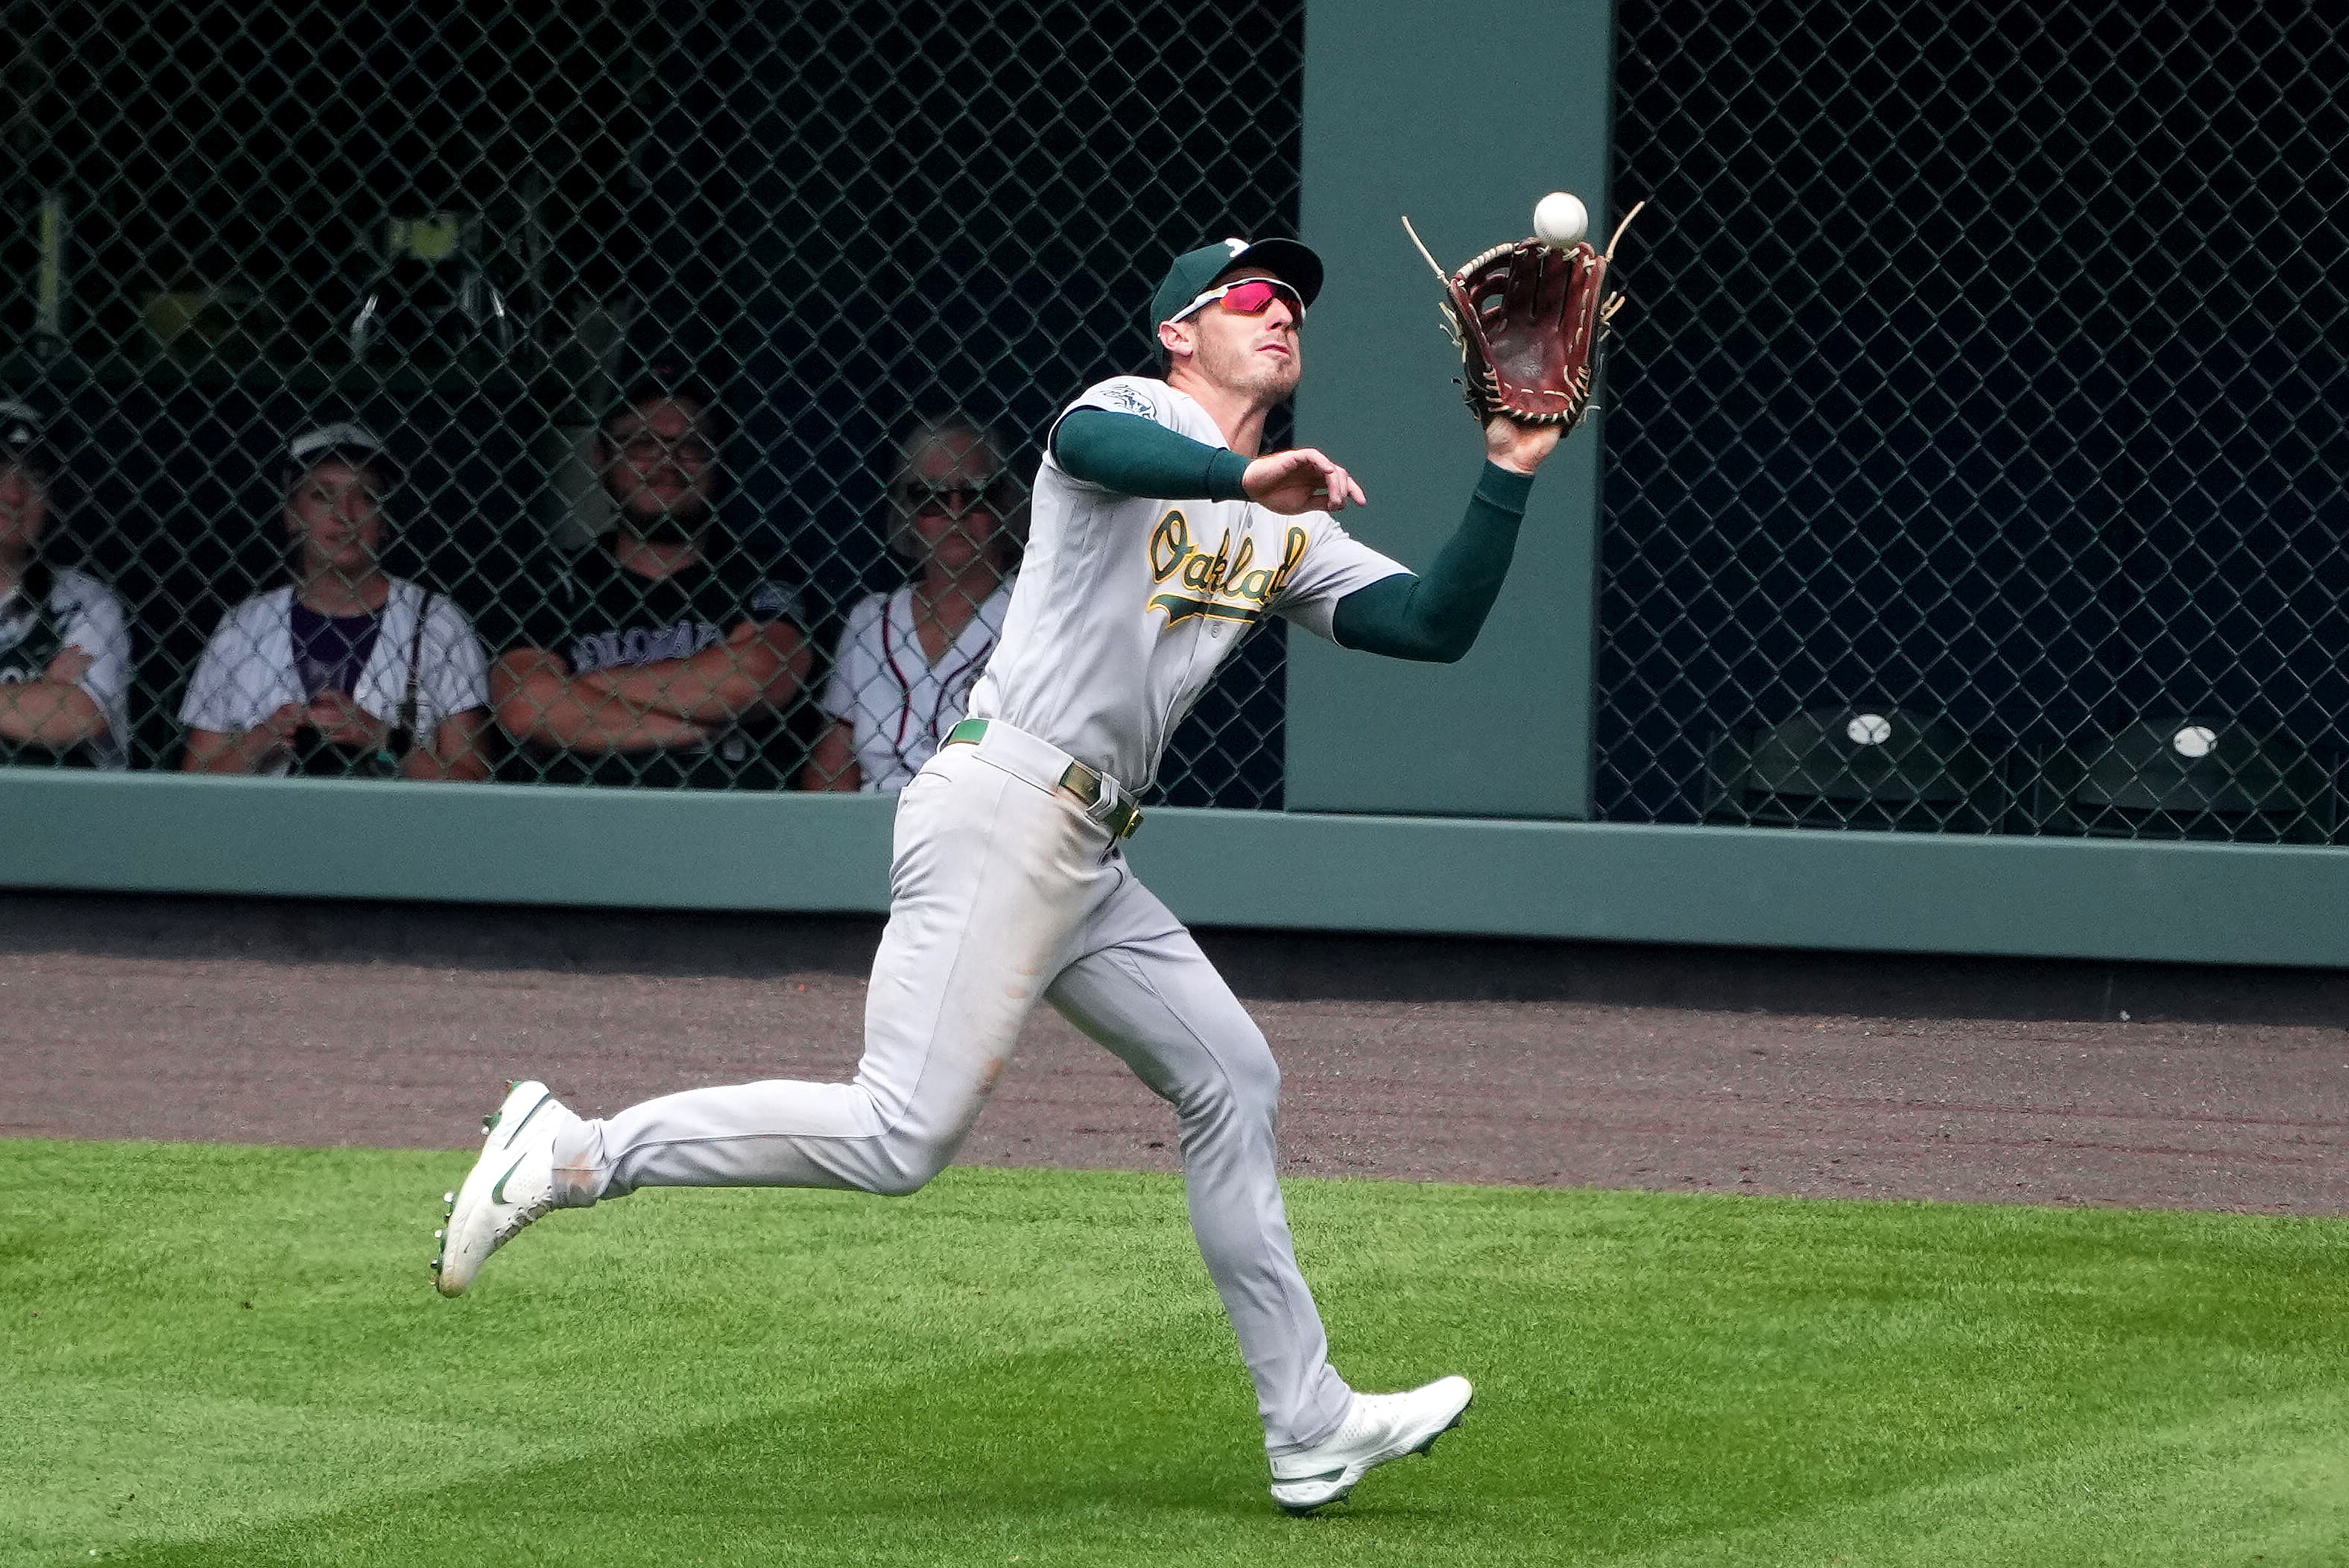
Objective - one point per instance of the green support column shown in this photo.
(1462, 118)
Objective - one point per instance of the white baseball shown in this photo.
(1560, 219)
(1869, 729)
(2195, 740)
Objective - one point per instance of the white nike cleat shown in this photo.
(510, 1185)
(1377, 1428)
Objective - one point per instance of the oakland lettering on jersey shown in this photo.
(641, 645)
(1225, 586)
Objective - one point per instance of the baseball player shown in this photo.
(1159, 534)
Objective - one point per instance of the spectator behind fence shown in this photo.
(65, 645)
(348, 671)
(654, 657)
(908, 660)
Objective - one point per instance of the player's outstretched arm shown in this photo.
(1135, 456)
(1435, 616)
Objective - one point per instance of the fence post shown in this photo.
(1462, 119)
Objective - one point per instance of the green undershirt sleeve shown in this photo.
(1135, 456)
(1436, 618)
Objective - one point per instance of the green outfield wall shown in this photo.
(1734, 886)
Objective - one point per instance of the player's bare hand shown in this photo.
(1520, 449)
(337, 718)
(1299, 480)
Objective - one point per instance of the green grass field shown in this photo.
(234, 1357)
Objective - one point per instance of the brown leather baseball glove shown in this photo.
(1529, 319)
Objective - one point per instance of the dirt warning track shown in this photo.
(2247, 1117)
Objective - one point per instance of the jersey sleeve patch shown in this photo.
(1134, 395)
(1124, 398)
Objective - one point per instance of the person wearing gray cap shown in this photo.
(348, 671)
(65, 644)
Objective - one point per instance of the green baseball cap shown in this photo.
(1195, 272)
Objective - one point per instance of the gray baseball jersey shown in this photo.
(1127, 606)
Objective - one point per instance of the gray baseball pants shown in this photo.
(1003, 889)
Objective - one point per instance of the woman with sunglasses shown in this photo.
(908, 660)
(1161, 533)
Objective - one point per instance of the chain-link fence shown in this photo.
(1977, 449)
(570, 274)
(1974, 456)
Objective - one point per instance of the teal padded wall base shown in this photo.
(1916, 893)
(499, 843)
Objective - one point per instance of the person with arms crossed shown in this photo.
(908, 660)
(65, 644)
(653, 658)
(348, 672)
(1159, 535)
